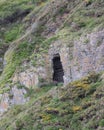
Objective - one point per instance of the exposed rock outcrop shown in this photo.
(78, 59)
(85, 55)
(14, 97)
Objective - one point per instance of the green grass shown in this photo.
(22, 52)
(7, 8)
(78, 106)
(101, 123)
(12, 34)
(63, 111)
(67, 34)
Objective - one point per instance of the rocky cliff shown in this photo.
(51, 43)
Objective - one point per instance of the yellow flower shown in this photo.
(76, 108)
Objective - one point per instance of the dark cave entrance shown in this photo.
(58, 69)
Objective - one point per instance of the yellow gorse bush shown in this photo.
(76, 108)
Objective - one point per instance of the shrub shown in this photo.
(76, 108)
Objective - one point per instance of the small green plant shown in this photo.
(16, 109)
(99, 42)
(11, 96)
(30, 92)
(20, 86)
(86, 41)
(12, 34)
(19, 124)
(101, 123)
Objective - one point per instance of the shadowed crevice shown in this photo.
(19, 14)
(58, 69)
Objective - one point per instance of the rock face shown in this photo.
(77, 59)
(27, 78)
(31, 77)
(86, 55)
(14, 97)
(74, 61)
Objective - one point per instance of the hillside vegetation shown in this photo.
(78, 106)
(38, 29)
(27, 29)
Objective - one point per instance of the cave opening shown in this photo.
(58, 72)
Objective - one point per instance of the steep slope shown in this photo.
(78, 106)
(46, 41)
(67, 26)
(11, 16)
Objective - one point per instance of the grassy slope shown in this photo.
(8, 8)
(93, 13)
(14, 31)
(78, 106)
